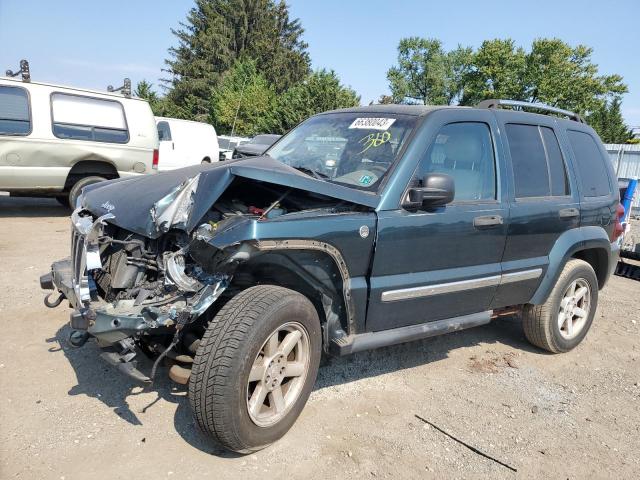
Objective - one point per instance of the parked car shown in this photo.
(228, 144)
(430, 220)
(256, 146)
(184, 143)
(55, 140)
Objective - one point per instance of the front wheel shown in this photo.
(562, 322)
(255, 367)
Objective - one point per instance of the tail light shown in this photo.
(618, 228)
(156, 158)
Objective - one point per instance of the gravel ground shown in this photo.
(66, 415)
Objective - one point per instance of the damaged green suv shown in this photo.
(360, 228)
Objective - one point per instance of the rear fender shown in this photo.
(568, 245)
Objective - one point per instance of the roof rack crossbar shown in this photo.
(498, 103)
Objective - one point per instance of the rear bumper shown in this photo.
(614, 257)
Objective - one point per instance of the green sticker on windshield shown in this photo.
(365, 179)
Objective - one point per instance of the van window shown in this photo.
(590, 164)
(557, 169)
(164, 132)
(465, 152)
(85, 118)
(15, 118)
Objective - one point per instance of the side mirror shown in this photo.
(437, 189)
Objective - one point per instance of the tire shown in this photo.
(205, 161)
(75, 191)
(236, 347)
(556, 325)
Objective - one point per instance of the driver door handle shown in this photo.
(488, 221)
(569, 212)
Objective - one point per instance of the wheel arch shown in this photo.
(314, 269)
(88, 167)
(590, 244)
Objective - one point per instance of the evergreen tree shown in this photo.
(216, 34)
(244, 102)
(608, 122)
(319, 92)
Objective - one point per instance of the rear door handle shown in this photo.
(569, 212)
(488, 221)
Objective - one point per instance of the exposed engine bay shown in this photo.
(132, 292)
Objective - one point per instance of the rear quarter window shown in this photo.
(591, 166)
(15, 117)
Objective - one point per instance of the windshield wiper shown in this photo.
(313, 173)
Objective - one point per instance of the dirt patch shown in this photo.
(492, 362)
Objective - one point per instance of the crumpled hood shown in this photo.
(138, 202)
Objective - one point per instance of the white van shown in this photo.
(55, 140)
(184, 143)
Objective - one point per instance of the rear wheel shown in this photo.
(77, 187)
(255, 367)
(563, 321)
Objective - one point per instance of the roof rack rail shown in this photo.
(24, 71)
(125, 88)
(498, 103)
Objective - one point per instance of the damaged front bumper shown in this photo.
(122, 324)
(113, 322)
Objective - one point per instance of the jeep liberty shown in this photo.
(360, 228)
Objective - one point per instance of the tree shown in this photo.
(498, 70)
(426, 73)
(458, 64)
(608, 122)
(216, 34)
(560, 75)
(319, 92)
(420, 74)
(145, 91)
(552, 72)
(244, 101)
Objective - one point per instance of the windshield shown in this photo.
(355, 149)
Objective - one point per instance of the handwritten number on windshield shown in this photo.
(374, 140)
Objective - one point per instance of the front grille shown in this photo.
(80, 227)
(77, 251)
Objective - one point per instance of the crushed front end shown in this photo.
(128, 291)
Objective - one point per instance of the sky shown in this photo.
(94, 44)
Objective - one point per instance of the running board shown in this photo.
(370, 340)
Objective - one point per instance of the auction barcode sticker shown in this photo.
(370, 123)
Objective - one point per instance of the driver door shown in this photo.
(443, 262)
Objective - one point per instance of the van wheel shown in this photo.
(255, 367)
(561, 323)
(75, 191)
(205, 160)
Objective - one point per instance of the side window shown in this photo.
(590, 164)
(530, 173)
(557, 169)
(464, 151)
(164, 132)
(538, 166)
(85, 118)
(15, 118)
